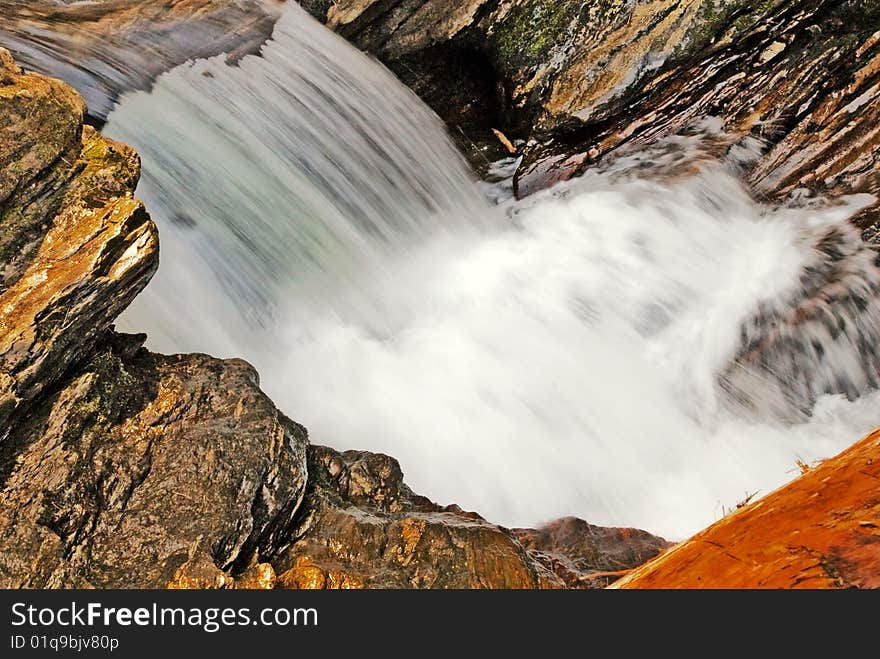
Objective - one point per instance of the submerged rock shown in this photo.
(820, 531)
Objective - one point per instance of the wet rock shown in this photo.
(107, 47)
(118, 468)
(529, 67)
(147, 472)
(75, 248)
(584, 80)
(798, 80)
(791, 348)
(360, 526)
(820, 531)
(583, 555)
(41, 125)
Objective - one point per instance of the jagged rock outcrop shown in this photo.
(140, 467)
(122, 468)
(76, 247)
(106, 47)
(820, 531)
(361, 527)
(799, 80)
(546, 62)
(117, 467)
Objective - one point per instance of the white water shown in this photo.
(556, 356)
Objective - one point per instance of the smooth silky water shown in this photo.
(577, 353)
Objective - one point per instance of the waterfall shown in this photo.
(617, 348)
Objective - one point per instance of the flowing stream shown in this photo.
(633, 350)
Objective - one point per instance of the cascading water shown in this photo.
(605, 349)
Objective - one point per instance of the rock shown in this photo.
(118, 468)
(583, 555)
(41, 125)
(148, 471)
(820, 531)
(583, 81)
(108, 47)
(360, 526)
(75, 248)
(526, 66)
(799, 80)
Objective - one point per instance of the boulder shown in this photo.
(141, 470)
(588, 556)
(796, 82)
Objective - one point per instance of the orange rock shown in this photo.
(820, 531)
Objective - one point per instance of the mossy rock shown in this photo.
(533, 28)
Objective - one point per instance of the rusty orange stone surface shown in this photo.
(822, 530)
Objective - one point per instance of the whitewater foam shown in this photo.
(529, 360)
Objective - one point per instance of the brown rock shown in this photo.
(118, 468)
(145, 472)
(260, 576)
(75, 247)
(799, 79)
(585, 556)
(579, 79)
(820, 531)
(41, 123)
(360, 526)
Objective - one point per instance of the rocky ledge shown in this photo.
(123, 468)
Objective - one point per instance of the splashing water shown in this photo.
(606, 349)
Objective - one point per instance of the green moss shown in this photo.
(862, 13)
(533, 28)
(115, 387)
(111, 393)
(99, 155)
(718, 20)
